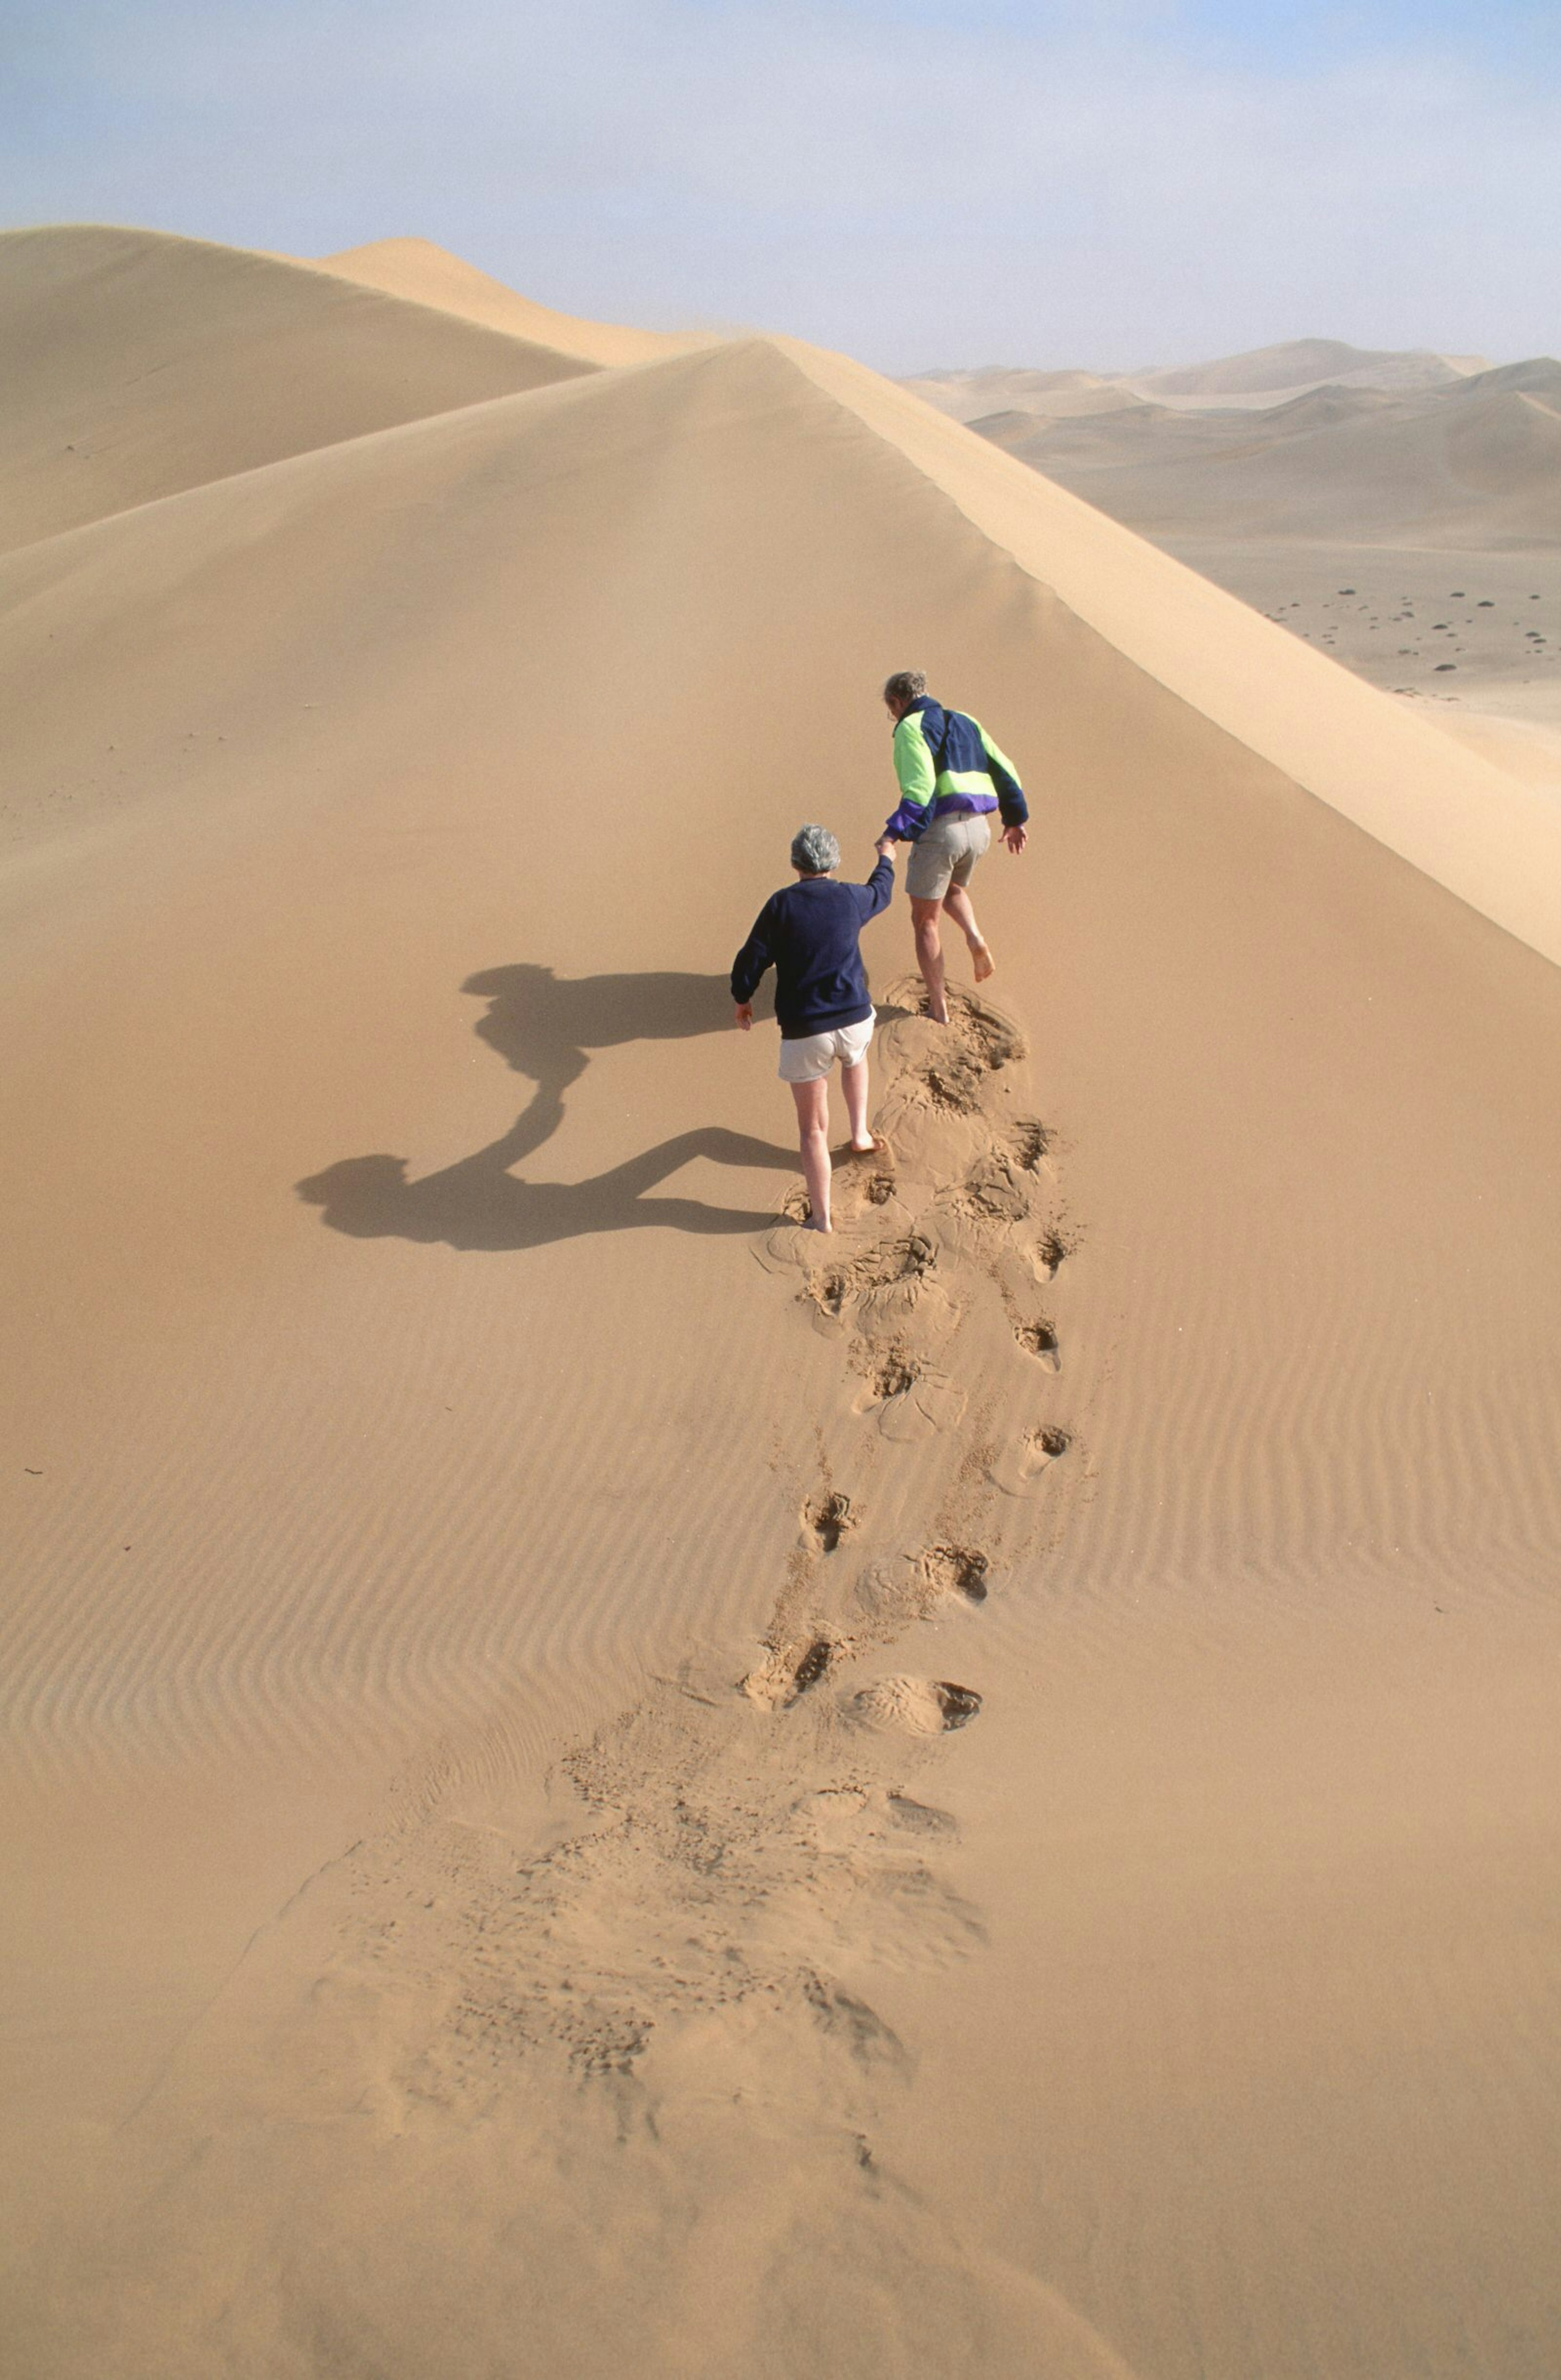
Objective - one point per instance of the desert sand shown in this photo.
(1259, 380)
(428, 275)
(599, 1784)
(1400, 510)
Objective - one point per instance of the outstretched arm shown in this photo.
(748, 967)
(879, 891)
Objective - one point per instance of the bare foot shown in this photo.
(813, 1224)
(869, 1147)
(982, 960)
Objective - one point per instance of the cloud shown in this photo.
(1105, 183)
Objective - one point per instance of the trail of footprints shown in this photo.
(735, 1843)
(964, 1200)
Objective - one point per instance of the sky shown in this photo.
(1100, 183)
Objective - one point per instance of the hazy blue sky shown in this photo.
(1105, 182)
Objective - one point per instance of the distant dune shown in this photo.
(602, 1784)
(1254, 382)
(1386, 448)
(1404, 516)
(966, 395)
(1301, 363)
(142, 364)
(416, 270)
(1473, 465)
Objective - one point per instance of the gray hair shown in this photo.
(815, 849)
(904, 686)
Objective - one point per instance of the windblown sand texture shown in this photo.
(602, 1784)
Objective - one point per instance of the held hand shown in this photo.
(885, 846)
(743, 1017)
(1016, 837)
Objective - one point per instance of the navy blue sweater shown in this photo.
(808, 933)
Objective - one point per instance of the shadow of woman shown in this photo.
(545, 1027)
(477, 1203)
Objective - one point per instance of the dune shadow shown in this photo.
(545, 1027)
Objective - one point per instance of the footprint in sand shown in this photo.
(828, 1517)
(785, 1675)
(891, 1592)
(893, 1373)
(1020, 1468)
(915, 1705)
(899, 1264)
(1039, 1338)
(899, 1588)
(1050, 1252)
(910, 1400)
(995, 1190)
(845, 1815)
(1032, 1145)
(958, 1570)
(954, 1076)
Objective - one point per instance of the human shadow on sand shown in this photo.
(545, 1029)
(478, 1203)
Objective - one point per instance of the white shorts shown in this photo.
(809, 1059)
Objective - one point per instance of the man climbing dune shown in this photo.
(952, 777)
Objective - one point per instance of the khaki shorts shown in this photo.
(809, 1059)
(946, 852)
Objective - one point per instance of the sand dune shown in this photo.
(1336, 738)
(1406, 529)
(1540, 375)
(1255, 382)
(969, 397)
(597, 1771)
(416, 269)
(143, 364)
(1476, 465)
(1282, 704)
(1301, 363)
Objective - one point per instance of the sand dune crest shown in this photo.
(144, 364)
(416, 270)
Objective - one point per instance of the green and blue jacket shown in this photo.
(948, 766)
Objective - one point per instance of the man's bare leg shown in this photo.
(958, 904)
(813, 1130)
(925, 916)
(854, 1083)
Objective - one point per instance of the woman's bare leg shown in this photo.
(813, 1130)
(854, 1083)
